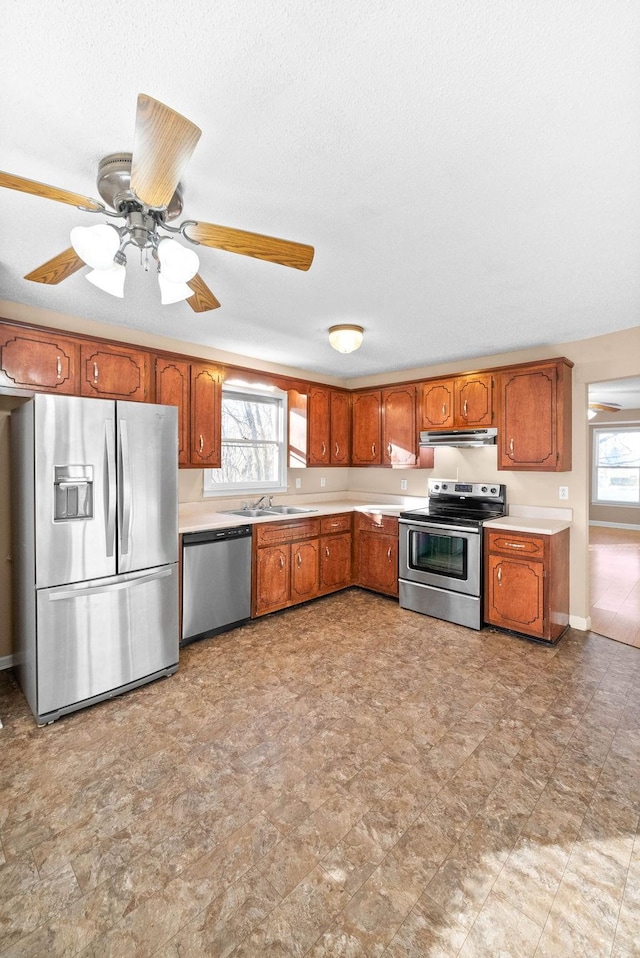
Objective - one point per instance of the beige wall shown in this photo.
(620, 515)
(614, 356)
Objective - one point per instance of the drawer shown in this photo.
(515, 543)
(276, 533)
(341, 523)
(374, 522)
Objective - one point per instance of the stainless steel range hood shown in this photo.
(458, 437)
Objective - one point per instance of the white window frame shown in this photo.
(279, 397)
(595, 466)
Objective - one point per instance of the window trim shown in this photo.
(615, 503)
(212, 489)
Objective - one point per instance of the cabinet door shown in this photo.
(273, 567)
(378, 562)
(340, 427)
(172, 389)
(515, 594)
(319, 418)
(335, 562)
(399, 426)
(109, 372)
(436, 406)
(366, 429)
(305, 570)
(474, 400)
(205, 413)
(528, 431)
(37, 360)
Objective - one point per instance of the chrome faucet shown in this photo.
(258, 503)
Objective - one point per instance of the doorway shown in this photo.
(614, 529)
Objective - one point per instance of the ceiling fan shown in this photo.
(143, 190)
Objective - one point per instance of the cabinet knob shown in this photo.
(444, 409)
(499, 575)
(282, 562)
(389, 449)
(373, 448)
(58, 367)
(337, 449)
(299, 561)
(515, 545)
(326, 551)
(324, 449)
(95, 372)
(201, 444)
(511, 446)
(389, 554)
(464, 409)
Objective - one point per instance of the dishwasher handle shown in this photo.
(215, 535)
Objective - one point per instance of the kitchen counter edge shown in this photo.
(210, 519)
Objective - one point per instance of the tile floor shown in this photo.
(343, 779)
(614, 573)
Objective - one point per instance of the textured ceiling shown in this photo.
(468, 172)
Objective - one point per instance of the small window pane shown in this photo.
(617, 466)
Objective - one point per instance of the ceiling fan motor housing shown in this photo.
(114, 186)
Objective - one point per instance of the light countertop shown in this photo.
(540, 520)
(198, 516)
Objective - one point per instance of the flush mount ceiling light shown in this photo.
(346, 338)
(142, 189)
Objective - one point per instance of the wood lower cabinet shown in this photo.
(527, 583)
(534, 427)
(41, 361)
(376, 564)
(109, 372)
(298, 559)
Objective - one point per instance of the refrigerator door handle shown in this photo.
(110, 460)
(125, 486)
(124, 583)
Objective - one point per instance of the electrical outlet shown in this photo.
(403, 485)
(563, 492)
(323, 482)
(298, 483)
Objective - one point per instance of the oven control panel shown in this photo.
(473, 490)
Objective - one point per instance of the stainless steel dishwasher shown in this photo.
(216, 581)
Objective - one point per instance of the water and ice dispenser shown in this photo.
(73, 498)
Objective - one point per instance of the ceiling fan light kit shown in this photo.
(143, 189)
(346, 338)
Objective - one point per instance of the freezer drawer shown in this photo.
(97, 636)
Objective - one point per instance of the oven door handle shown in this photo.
(434, 527)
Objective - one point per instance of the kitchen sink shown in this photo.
(287, 510)
(250, 513)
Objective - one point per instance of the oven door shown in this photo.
(442, 556)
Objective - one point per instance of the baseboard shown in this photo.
(6, 662)
(614, 525)
(580, 623)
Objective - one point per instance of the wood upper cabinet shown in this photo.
(340, 427)
(42, 361)
(205, 415)
(173, 378)
(196, 390)
(113, 372)
(436, 404)
(366, 421)
(457, 403)
(377, 553)
(399, 432)
(527, 583)
(329, 426)
(534, 428)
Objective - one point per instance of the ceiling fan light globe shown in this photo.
(110, 280)
(177, 264)
(96, 245)
(172, 292)
(346, 338)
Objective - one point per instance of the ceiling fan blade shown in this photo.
(55, 270)
(605, 406)
(202, 299)
(269, 248)
(12, 182)
(163, 143)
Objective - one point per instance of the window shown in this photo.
(253, 442)
(616, 466)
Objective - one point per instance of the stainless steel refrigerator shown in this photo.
(95, 548)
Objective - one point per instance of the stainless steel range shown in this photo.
(441, 550)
